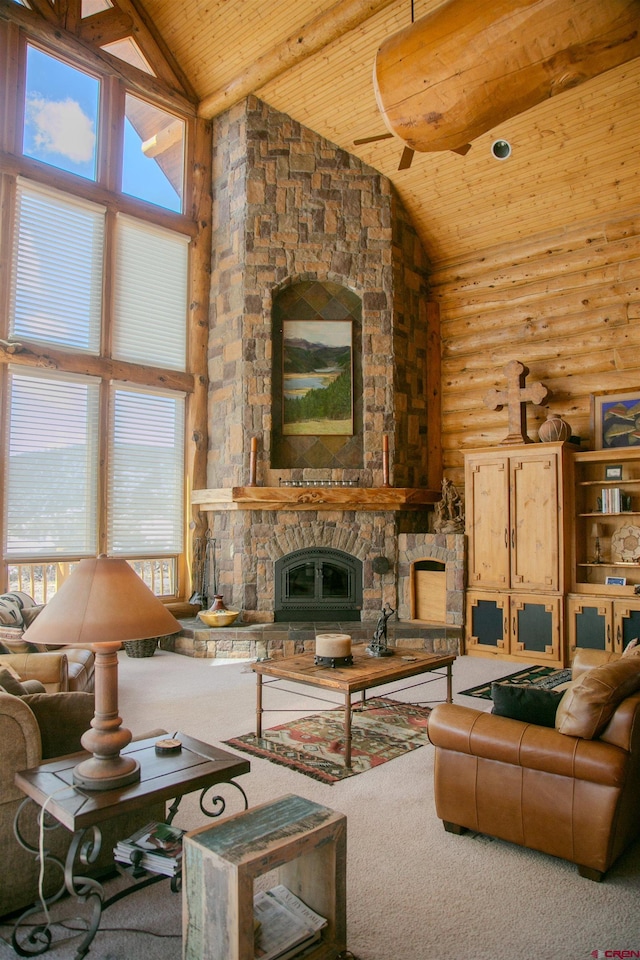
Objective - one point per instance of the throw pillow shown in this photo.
(527, 703)
(630, 648)
(30, 613)
(10, 683)
(10, 610)
(62, 719)
(590, 701)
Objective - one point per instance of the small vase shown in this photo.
(554, 428)
(218, 603)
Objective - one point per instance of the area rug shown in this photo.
(314, 745)
(545, 677)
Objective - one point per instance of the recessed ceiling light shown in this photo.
(501, 149)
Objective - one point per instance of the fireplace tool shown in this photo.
(199, 594)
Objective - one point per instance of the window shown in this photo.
(61, 114)
(153, 164)
(150, 294)
(52, 466)
(145, 486)
(56, 290)
(95, 395)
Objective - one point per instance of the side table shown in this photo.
(306, 844)
(198, 766)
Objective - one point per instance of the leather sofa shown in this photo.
(34, 728)
(570, 790)
(58, 668)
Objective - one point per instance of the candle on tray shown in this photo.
(333, 645)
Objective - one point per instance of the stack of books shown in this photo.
(284, 926)
(611, 500)
(156, 848)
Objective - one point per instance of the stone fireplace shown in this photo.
(304, 230)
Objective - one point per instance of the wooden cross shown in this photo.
(516, 396)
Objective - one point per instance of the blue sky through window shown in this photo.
(61, 114)
(61, 126)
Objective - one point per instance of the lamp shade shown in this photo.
(103, 601)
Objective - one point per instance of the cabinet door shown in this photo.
(535, 524)
(487, 509)
(536, 628)
(626, 620)
(590, 624)
(487, 622)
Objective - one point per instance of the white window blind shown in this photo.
(56, 282)
(52, 465)
(146, 480)
(150, 298)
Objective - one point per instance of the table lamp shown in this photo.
(103, 603)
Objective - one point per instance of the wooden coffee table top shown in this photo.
(364, 673)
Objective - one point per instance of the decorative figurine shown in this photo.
(449, 516)
(378, 646)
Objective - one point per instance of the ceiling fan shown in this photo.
(406, 158)
(502, 66)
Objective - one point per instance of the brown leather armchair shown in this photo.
(566, 795)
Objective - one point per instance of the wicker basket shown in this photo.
(141, 648)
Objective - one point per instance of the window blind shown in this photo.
(146, 481)
(150, 298)
(56, 282)
(52, 465)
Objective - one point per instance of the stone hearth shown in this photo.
(275, 640)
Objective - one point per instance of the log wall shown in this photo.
(567, 305)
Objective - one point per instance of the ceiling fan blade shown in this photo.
(406, 158)
(462, 151)
(381, 136)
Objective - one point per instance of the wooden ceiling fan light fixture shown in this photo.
(461, 70)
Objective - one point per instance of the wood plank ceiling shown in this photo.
(574, 157)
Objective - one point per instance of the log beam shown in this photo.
(463, 69)
(343, 16)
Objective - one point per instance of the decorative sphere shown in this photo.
(554, 428)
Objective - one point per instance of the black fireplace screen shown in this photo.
(318, 584)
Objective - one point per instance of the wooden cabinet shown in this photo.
(515, 517)
(516, 504)
(606, 532)
(515, 626)
(600, 623)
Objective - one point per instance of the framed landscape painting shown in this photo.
(317, 378)
(615, 419)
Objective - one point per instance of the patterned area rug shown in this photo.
(546, 677)
(315, 745)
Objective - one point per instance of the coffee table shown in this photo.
(197, 767)
(364, 674)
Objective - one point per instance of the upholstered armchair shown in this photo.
(571, 790)
(59, 669)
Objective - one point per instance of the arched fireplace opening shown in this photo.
(319, 584)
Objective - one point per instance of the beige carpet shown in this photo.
(414, 891)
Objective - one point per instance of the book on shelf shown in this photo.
(284, 924)
(156, 847)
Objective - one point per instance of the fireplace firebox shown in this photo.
(319, 584)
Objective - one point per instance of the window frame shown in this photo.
(24, 27)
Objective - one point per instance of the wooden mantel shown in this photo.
(314, 498)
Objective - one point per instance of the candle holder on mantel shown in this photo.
(385, 460)
(253, 456)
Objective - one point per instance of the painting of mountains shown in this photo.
(317, 394)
